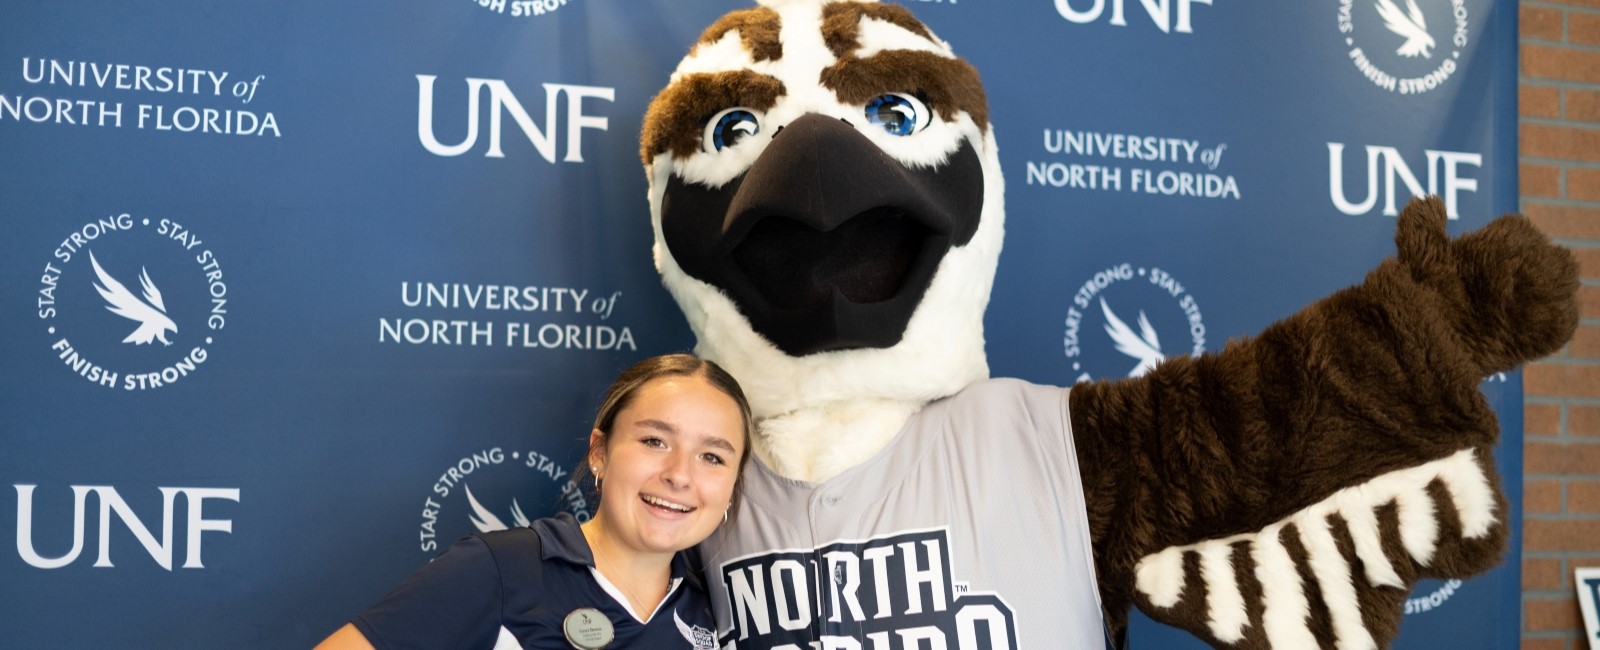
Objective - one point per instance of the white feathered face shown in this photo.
(826, 199)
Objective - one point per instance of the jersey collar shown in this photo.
(562, 539)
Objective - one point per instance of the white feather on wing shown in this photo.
(683, 628)
(1282, 591)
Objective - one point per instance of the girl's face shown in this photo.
(668, 471)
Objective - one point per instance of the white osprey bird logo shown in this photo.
(699, 637)
(485, 521)
(1408, 24)
(150, 313)
(1142, 345)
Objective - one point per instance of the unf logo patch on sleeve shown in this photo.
(890, 591)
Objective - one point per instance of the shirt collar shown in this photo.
(562, 539)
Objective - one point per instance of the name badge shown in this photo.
(587, 629)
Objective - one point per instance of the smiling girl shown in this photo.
(666, 452)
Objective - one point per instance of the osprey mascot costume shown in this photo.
(827, 204)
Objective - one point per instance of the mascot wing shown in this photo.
(1289, 491)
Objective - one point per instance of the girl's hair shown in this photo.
(636, 376)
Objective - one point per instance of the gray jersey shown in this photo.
(967, 531)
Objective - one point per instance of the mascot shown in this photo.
(828, 209)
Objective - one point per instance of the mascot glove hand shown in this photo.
(1505, 289)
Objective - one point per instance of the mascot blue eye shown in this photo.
(897, 113)
(728, 127)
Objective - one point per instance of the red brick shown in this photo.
(1561, 63)
(1564, 380)
(1575, 3)
(1583, 184)
(1582, 105)
(1559, 142)
(1588, 262)
(1539, 180)
(1541, 419)
(1583, 28)
(1585, 343)
(1538, 101)
(1539, 23)
(1552, 614)
(1563, 220)
(1544, 644)
(1583, 420)
(1541, 496)
(1583, 496)
(1562, 458)
(1564, 535)
(1589, 302)
(1542, 573)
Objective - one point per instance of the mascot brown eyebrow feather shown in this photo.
(828, 209)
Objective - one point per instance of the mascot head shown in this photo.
(827, 204)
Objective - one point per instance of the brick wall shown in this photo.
(1559, 125)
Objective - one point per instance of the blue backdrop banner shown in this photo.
(296, 293)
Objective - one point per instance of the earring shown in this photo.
(724, 516)
(596, 472)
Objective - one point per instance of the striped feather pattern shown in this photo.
(1307, 580)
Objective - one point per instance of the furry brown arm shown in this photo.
(1370, 380)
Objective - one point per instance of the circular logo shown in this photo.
(522, 8)
(1404, 46)
(133, 303)
(485, 491)
(1126, 319)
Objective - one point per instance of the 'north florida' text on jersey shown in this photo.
(968, 530)
(879, 594)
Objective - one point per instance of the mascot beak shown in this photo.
(825, 242)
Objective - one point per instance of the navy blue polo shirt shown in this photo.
(514, 588)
